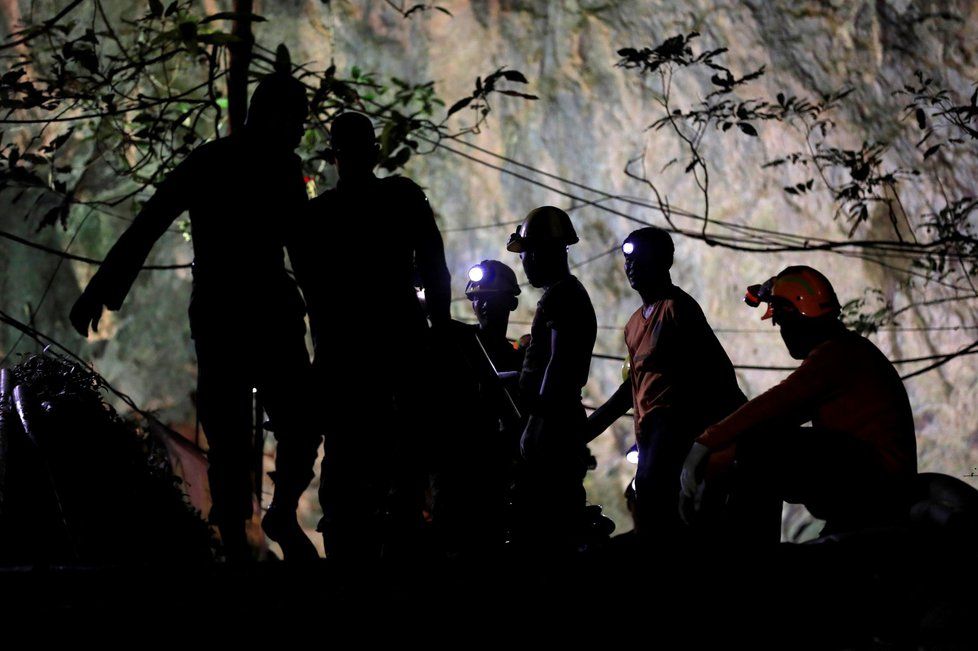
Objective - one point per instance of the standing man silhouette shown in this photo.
(555, 369)
(373, 475)
(681, 381)
(244, 194)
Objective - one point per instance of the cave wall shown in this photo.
(589, 121)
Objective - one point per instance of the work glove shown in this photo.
(691, 482)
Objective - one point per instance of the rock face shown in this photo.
(588, 123)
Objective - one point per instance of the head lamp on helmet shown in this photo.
(799, 290)
(544, 226)
(491, 276)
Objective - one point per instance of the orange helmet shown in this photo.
(800, 289)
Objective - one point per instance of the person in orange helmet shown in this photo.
(854, 466)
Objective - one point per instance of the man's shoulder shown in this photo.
(849, 345)
(680, 302)
(227, 155)
(225, 146)
(568, 299)
(403, 186)
(567, 289)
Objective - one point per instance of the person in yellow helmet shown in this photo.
(555, 370)
(855, 465)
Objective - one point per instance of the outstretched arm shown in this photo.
(112, 282)
(791, 403)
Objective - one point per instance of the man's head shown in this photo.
(801, 301)
(648, 258)
(277, 113)
(493, 289)
(354, 145)
(542, 242)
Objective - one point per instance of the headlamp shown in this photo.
(628, 248)
(753, 296)
(632, 455)
(476, 273)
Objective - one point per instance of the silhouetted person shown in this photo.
(375, 360)
(473, 462)
(551, 492)
(855, 465)
(493, 291)
(680, 381)
(244, 194)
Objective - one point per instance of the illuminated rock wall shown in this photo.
(589, 121)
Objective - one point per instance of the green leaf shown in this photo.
(222, 102)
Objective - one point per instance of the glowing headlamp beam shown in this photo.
(632, 455)
(476, 273)
(627, 248)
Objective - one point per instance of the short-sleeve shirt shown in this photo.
(566, 308)
(677, 363)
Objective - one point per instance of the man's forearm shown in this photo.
(614, 408)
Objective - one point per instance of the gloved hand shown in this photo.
(691, 482)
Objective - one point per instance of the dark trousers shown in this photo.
(663, 445)
(550, 498)
(354, 480)
(838, 478)
(228, 369)
(373, 479)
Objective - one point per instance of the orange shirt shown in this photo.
(845, 385)
(678, 363)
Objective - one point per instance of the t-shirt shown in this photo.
(387, 228)
(844, 385)
(565, 307)
(677, 363)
